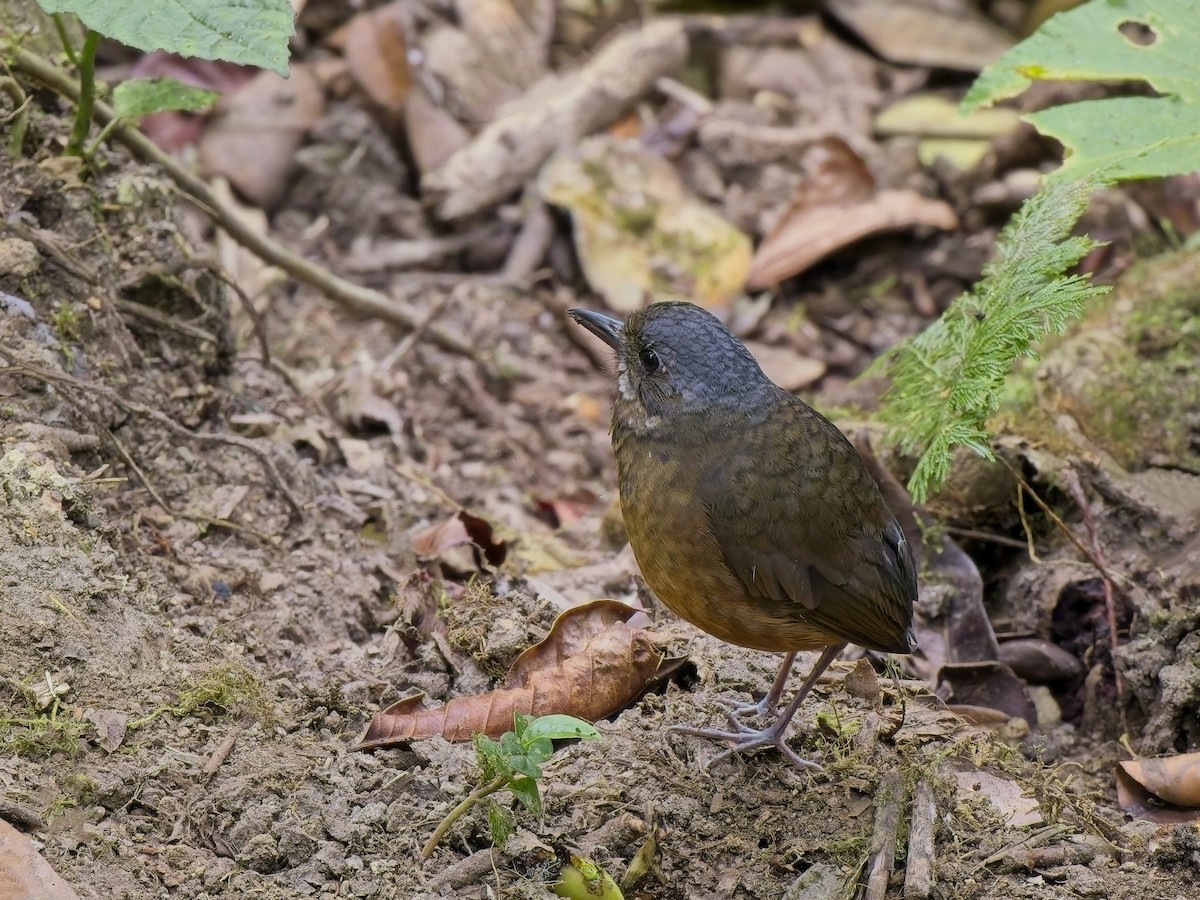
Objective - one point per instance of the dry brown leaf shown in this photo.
(461, 528)
(612, 670)
(569, 636)
(1039, 661)
(111, 726)
(433, 134)
(836, 206)
(784, 366)
(567, 509)
(1164, 790)
(252, 138)
(23, 872)
(924, 34)
(376, 52)
(1006, 796)
(980, 715)
(986, 683)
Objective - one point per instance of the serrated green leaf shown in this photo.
(490, 758)
(246, 32)
(526, 791)
(1126, 137)
(143, 96)
(501, 824)
(559, 728)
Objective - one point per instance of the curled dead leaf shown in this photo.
(835, 206)
(570, 635)
(461, 528)
(1164, 790)
(1039, 661)
(611, 671)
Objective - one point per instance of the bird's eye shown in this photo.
(650, 361)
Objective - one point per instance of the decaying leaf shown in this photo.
(570, 635)
(252, 138)
(1005, 795)
(638, 232)
(461, 528)
(377, 56)
(1164, 790)
(924, 34)
(23, 873)
(946, 133)
(784, 366)
(111, 726)
(1039, 661)
(836, 206)
(591, 665)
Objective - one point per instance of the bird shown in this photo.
(750, 514)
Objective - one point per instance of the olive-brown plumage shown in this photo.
(750, 514)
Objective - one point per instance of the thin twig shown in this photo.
(129, 461)
(358, 299)
(222, 752)
(46, 375)
(1058, 522)
(977, 535)
(1076, 489)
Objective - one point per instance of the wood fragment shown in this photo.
(889, 798)
(553, 114)
(918, 870)
(222, 752)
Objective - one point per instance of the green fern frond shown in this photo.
(946, 382)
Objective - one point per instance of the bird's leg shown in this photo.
(745, 739)
(767, 704)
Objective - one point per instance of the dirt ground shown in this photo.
(209, 587)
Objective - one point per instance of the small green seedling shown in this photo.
(513, 762)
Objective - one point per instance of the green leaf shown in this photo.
(526, 791)
(501, 824)
(490, 758)
(247, 32)
(520, 723)
(559, 728)
(1152, 41)
(144, 96)
(525, 766)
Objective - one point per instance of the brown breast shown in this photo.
(683, 563)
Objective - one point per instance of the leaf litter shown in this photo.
(331, 615)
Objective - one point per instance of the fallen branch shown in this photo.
(360, 300)
(47, 376)
(555, 113)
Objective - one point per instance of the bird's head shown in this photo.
(674, 358)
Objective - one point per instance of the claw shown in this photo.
(745, 739)
(735, 711)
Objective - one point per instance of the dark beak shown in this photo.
(606, 328)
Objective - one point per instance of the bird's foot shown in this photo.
(735, 711)
(743, 739)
